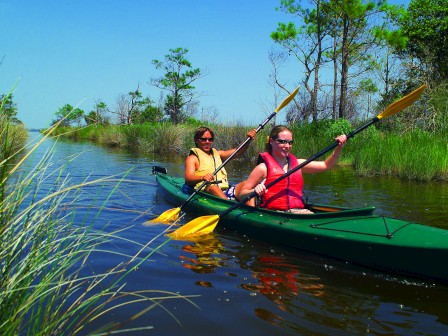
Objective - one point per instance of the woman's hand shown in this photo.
(209, 177)
(342, 139)
(252, 134)
(260, 189)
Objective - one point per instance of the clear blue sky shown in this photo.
(78, 51)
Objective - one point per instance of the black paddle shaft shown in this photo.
(229, 158)
(312, 158)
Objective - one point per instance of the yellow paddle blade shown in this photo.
(167, 216)
(402, 103)
(203, 225)
(287, 100)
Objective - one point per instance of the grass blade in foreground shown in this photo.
(173, 214)
(206, 224)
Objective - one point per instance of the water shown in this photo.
(236, 285)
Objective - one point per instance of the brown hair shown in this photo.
(200, 132)
(274, 134)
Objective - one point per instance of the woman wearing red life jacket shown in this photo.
(285, 195)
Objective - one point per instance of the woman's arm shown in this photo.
(330, 162)
(253, 182)
(191, 165)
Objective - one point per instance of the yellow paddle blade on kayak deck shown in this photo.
(167, 216)
(402, 103)
(200, 225)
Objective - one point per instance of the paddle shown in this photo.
(206, 224)
(173, 214)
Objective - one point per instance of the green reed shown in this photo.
(415, 154)
(159, 138)
(44, 251)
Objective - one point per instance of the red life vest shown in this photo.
(287, 193)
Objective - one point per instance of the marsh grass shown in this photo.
(312, 138)
(44, 250)
(12, 138)
(110, 136)
(161, 138)
(414, 154)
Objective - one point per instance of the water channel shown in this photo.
(241, 286)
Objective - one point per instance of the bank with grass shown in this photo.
(414, 155)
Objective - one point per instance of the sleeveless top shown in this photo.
(287, 193)
(208, 164)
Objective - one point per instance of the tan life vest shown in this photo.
(208, 164)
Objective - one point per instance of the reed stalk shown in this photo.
(44, 250)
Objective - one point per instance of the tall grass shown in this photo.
(44, 289)
(161, 138)
(414, 154)
(12, 139)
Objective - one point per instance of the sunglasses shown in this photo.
(284, 142)
(206, 139)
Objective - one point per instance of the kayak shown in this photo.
(355, 235)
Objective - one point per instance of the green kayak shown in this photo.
(355, 235)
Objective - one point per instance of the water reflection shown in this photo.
(282, 283)
(303, 293)
(278, 279)
(205, 250)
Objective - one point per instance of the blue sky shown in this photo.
(76, 52)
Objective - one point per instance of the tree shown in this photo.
(367, 87)
(345, 32)
(149, 114)
(134, 109)
(99, 115)
(178, 77)
(357, 27)
(68, 115)
(306, 43)
(9, 108)
(425, 26)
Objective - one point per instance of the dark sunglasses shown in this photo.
(284, 142)
(206, 139)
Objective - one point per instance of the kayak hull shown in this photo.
(354, 235)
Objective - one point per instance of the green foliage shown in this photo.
(9, 108)
(91, 118)
(373, 151)
(438, 109)
(347, 33)
(67, 115)
(172, 108)
(99, 115)
(426, 27)
(44, 254)
(12, 139)
(429, 113)
(285, 33)
(338, 127)
(149, 114)
(415, 155)
(112, 136)
(168, 138)
(178, 78)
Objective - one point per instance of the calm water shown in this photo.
(237, 285)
